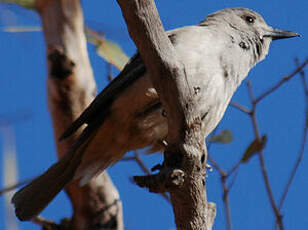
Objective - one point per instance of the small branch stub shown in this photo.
(164, 181)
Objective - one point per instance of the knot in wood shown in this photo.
(60, 65)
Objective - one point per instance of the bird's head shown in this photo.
(250, 24)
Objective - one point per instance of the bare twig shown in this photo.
(234, 168)
(252, 113)
(9, 188)
(211, 159)
(294, 170)
(109, 73)
(130, 158)
(226, 190)
(43, 222)
(282, 81)
(240, 107)
(141, 164)
(262, 161)
(303, 143)
(223, 178)
(226, 202)
(233, 180)
(216, 166)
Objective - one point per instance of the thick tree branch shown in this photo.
(71, 87)
(182, 174)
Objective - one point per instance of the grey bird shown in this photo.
(127, 115)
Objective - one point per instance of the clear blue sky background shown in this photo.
(280, 116)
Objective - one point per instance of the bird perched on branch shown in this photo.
(127, 115)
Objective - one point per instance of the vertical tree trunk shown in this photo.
(71, 87)
(182, 174)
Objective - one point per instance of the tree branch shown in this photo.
(240, 107)
(71, 87)
(282, 81)
(303, 143)
(182, 172)
(262, 160)
(252, 114)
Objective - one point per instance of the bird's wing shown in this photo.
(97, 111)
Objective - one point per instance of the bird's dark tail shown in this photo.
(34, 197)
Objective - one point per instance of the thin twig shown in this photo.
(209, 144)
(262, 161)
(9, 188)
(234, 168)
(294, 170)
(130, 158)
(216, 166)
(240, 107)
(281, 82)
(223, 178)
(141, 164)
(305, 84)
(303, 144)
(43, 222)
(226, 202)
(210, 159)
(233, 180)
(109, 73)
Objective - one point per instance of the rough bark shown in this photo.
(182, 174)
(71, 87)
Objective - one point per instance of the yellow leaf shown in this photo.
(255, 146)
(107, 49)
(112, 53)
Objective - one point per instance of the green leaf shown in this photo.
(225, 137)
(30, 4)
(255, 146)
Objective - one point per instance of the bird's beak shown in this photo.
(276, 34)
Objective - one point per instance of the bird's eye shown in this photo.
(249, 19)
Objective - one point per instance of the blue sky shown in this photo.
(280, 116)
